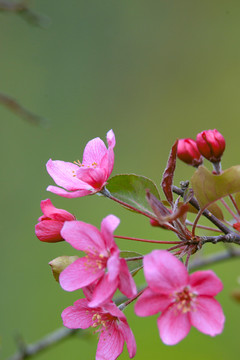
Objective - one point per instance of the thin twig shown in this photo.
(27, 351)
(213, 259)
(228, 238)
(19, 110)
(23, 10)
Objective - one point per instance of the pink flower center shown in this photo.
(98, 261)
(185, 300)
(103, 321)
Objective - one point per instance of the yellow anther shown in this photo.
(94, 317)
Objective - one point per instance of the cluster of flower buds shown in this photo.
(183, 300)
(209, 144)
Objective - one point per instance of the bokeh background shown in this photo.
(150, 70)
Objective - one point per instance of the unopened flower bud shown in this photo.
(211, 144)
(154, 223)
(60, 263)
(188, 152)
(237, 226)
(51, 222)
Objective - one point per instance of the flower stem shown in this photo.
(202, 227)
(177, 246)
(125, 304)
(229, 210)
(146, 240)
(234, 204)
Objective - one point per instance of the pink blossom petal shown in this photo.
(173, 325)
(111, 142)
(126, 283)
(129, 338)
(62, 173)
(151, 303)
(103, 292)
(205, 283)
(104, 164)
(164, 272)
(113, 266)
(108, 226)
(111, 308)
(111, 139)
(49, 230)
(54, 213)
(88, 291)
(83, 236)
(94, 152)
(78, 316)
(79, 274)
(95, 177)
(208, 316)
(110, 344)
(74, 194)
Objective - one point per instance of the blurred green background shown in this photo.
(150, 70)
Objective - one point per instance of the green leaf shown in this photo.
(216, 211)
(133, 265)
(131, 189)
(209, 187)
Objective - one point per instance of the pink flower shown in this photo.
(88, 177)
(184, 300)
(113, 327)
(51, 222)
(101, 266)
(188, 152)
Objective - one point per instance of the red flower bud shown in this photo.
(237, 226)
(154, 223)
(51, 222)
(187, 151)
(211, 144)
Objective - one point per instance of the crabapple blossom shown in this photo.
(51, 222)
(184, 300)
(87, 177)
(112, 327)
(188, 152)
(101, 265)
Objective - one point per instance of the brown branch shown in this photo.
(23, 10)
(57, 336)
(214, 259)
(19, 110)
(228, 238)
